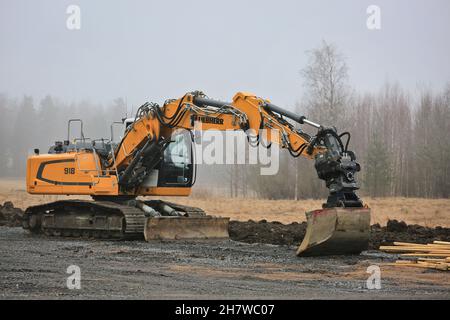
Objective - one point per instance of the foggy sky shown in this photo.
(153, 50)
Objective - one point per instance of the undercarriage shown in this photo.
(106, 219)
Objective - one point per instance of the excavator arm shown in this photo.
(147, 138)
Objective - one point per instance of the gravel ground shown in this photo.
(35, 267)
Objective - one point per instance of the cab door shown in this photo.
(177, 168)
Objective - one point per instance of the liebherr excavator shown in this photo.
(155, 158)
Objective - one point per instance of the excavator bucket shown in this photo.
(336, 231)
(189, 228)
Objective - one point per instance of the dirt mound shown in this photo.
(400, 231)
(292, 234)
(10, 216)
(267, 232)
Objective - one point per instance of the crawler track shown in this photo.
(91, 219)
(94, 219)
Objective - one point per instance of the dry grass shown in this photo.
(427, 212)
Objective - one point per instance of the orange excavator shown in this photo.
(155, 158)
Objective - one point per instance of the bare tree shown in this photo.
(325, 80)
(326, 83)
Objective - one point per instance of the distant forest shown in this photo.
(401, 139)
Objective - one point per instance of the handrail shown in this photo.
(81, 127)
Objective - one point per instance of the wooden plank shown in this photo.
(403, 247)
(445, 255)
(432, 259)
(439, 246)
(412, 248)
(405, 261)
(421, 264)
(409, 265)
(405, 243)
(407, 249)
(442, 242)
(425, 263)
(442, 266)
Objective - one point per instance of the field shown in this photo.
(426, 212)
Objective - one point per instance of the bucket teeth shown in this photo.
(336, 231)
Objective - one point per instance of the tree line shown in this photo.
(401, 139)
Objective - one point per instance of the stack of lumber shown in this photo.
(434, 255)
